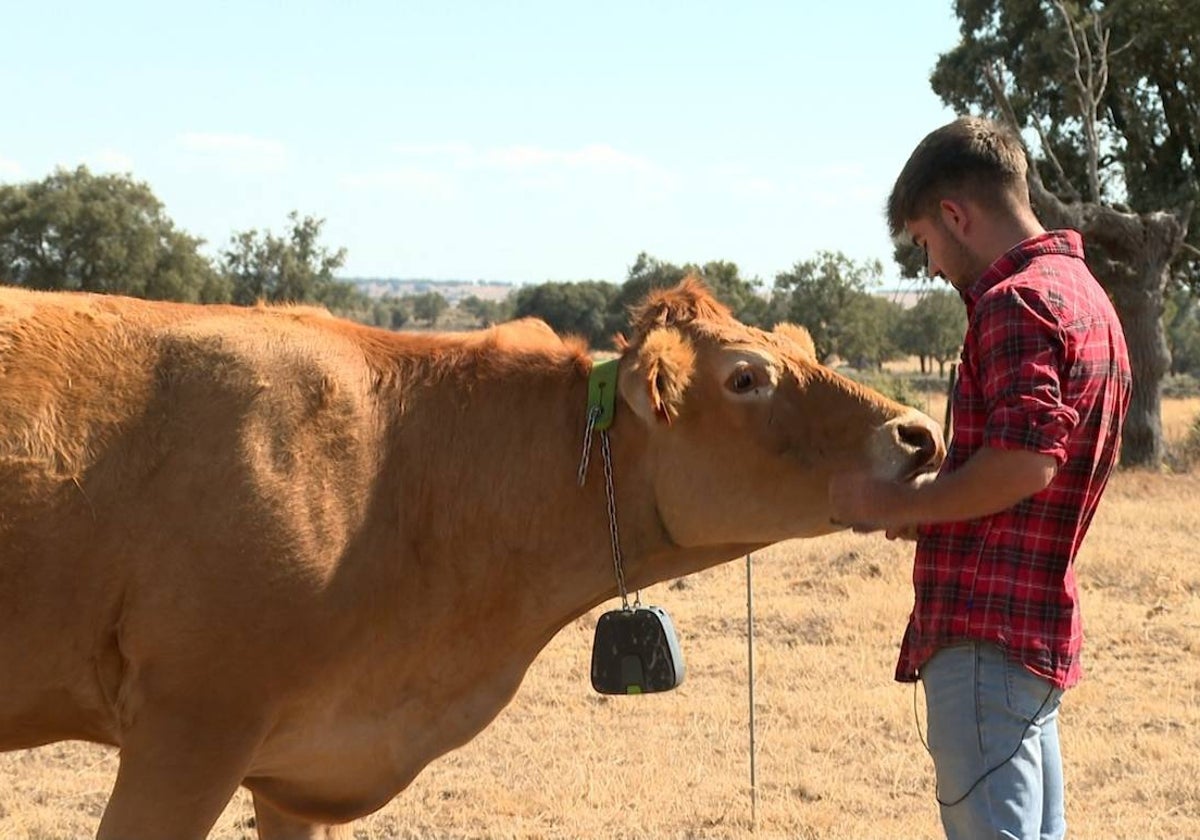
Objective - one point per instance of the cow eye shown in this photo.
(742, 380)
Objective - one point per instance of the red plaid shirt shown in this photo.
(1045, 369)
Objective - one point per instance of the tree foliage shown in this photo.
(78, 231)
(829, 296)
(933, 328)
(583, 308)
(646, 273)
(1107, 93)
(429, 306)
(487, 312)
(293, 268)
(868, 331)
(1183, 331)
(741, 295)
(1110, 88)
(599, 310)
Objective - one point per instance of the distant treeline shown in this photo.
(108, 233)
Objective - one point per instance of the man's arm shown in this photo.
(990, 481)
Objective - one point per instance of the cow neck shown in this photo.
(602, 402)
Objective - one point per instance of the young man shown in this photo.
(995, 631)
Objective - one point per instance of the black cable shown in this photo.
(976, 783)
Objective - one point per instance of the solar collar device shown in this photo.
(635, 650)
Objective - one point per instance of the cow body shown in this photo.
(271, 548)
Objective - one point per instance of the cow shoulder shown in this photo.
(70, 373)
(289, 386)
(286, 356)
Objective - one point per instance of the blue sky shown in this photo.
(510, 141)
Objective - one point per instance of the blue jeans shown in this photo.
(986, 711)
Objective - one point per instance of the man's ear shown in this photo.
(654, 384)
(956, 216)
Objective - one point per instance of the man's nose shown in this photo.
(930, 268)
(933, 269)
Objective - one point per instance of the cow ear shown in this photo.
(797, 335)
(655, 382)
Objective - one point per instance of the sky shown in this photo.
(510, 141)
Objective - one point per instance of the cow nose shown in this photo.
(921, 437)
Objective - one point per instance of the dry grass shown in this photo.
(837, 746)
(1178, 415)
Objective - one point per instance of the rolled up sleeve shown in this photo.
(1023, 351)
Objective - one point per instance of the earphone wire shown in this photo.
(1028, 723)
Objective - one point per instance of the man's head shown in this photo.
(962, 196)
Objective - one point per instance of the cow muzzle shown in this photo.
(907, 446)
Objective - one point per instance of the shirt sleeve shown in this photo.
(1022, 351)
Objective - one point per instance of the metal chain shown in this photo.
(612, 522)
(611, 496)
(593, 413)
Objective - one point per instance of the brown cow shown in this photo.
(267, 547)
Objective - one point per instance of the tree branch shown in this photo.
(1037, 189)
(992, 75)
(1089, 91)
(1120, 232)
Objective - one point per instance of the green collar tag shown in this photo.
(602, 392)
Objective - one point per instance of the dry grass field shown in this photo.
(838, 751)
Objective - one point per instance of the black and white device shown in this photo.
(636, 651)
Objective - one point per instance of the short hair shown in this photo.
(971, 157)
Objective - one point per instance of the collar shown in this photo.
(1068, 243)
(602, 392)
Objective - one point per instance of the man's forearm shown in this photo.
(990, 481)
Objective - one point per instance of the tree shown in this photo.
(722, 278)
(583, 308)
(398, 313)
(100, 233)
(292, 268)
(828, 296)
(742, 296)
(388, 312)
(487, 312)
(1110, 91)
(428, 307)
(646, 273)
(867, 331)
(1183, 331)
(933, 328)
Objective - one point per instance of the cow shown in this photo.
(268, 547)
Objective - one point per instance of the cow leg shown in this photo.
(273, 824)
(178, 771)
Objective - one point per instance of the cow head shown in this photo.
(745, 427)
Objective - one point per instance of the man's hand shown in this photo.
(990, 481)
(903, 532)
(865, 503)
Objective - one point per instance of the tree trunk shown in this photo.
(1140, 309)
(1130, 255)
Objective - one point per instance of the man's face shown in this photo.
(947, 255)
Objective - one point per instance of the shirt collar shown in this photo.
(1065, 242)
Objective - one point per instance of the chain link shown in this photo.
(612, 521)
(593, 413)
(611, 497)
